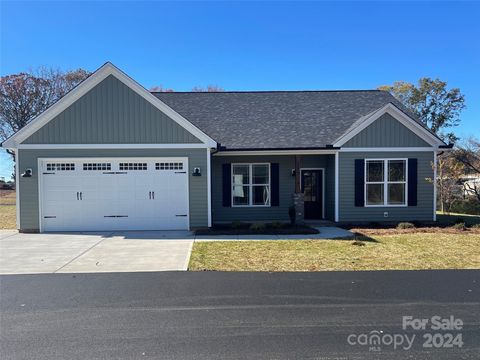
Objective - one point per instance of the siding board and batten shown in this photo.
(111, 113)
(386, 131)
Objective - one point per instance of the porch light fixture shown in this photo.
(28, 173)
(196, 172)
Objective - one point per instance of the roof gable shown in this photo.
(111, 113)
(98, 76)
(397, 114)
(386, 131)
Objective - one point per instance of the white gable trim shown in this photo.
(84, 87)
(275, 152)
(112, 146)
(397, 114)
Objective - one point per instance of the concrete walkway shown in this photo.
(326, 232)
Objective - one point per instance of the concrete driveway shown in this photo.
(94, 252)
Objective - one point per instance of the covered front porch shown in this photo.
(262, 187)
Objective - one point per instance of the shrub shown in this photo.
(405, 225)
(468, 206)
(476, 226)
(276, 225)
(258, 226)
(460, 226)
(358, 243)
(292, 214)
(236, 224)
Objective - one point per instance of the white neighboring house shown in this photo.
(470, 183)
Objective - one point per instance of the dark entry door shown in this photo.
(312, 183)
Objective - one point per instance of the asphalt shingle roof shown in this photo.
(278, 119)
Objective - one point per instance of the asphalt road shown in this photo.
(211, 315)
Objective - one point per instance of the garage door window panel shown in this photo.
(133, 166)
(97, 166)
(60, 167)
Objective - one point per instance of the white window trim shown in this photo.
(385, 182)
(250, 185)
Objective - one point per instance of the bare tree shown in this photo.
(468, 154)
(25, 95)
(209, 88)
(449, 175)
(160, 88)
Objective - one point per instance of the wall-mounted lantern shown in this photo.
(28, 173)
(196, 172)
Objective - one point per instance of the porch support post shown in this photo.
(298, 199)
(435, 186)
(337, 187)
(298, 159)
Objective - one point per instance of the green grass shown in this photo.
(7, 217)
(8, 210)
(451, 218)
(385, 252)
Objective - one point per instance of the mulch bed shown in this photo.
(394, 231)
(244, 229)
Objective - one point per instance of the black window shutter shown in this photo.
(359, 182)
(275, 184)
(227, 184)
(412, 182)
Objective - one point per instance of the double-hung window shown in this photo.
(250, 185)
(386, 182)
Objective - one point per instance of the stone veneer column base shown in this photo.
(298, 202)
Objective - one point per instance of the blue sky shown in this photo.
(253, 45)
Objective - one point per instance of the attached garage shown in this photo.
(113, 194)
(111, 156)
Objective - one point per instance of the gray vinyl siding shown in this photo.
(348, 212)
(286, 188)
(111, 113)
(29, 201)
(386, 132)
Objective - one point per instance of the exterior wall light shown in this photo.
(196, 172)
(28, 173)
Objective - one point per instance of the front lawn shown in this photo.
(381, 252)
(7, 210)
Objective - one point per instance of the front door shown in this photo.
(312, 187)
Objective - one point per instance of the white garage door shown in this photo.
(114, 194)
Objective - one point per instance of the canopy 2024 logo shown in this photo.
(442, 333)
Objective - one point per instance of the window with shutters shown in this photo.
(386, 182)
(250, 185)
